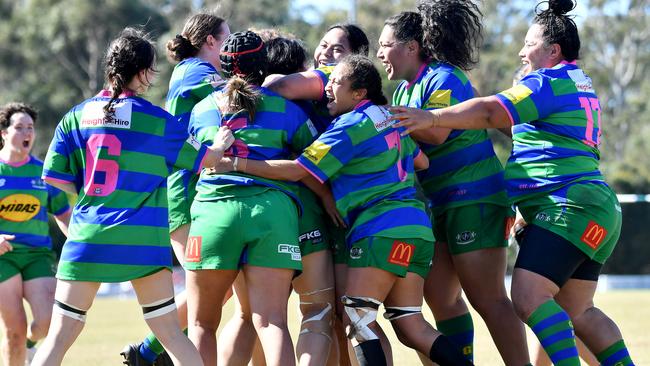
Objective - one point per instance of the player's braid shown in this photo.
(127, 55)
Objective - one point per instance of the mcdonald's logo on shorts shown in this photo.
(401, 253)
(193, 249)
(594, 235)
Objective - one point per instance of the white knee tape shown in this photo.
(158, 308)
(362, 311)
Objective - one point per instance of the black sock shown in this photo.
(446, 353)
(370, 353)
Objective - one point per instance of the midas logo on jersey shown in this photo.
(93, 115)
(19, 207)
(401, 253)
(316, 151)
(593, 235)
(294, 250)
(517, 93)
(439, 99)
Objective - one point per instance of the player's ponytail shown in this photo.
(363, 74)
(239, 95)
(452, 31)
(195, 33)
(559, 28)
(127, 55)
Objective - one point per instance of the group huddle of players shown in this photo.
(270, 174)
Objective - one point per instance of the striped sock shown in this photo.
(615, 355)
(460, 330)
(150, 348)
(30, 343)
(553, 328)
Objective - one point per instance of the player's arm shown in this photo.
(5, 245)
(307, 85)
(421, 161)
(288, 170)
(433, 136)
(472, 114)
(323, 191)
(64, 186)
(63, 221)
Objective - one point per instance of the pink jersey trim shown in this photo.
(417, 76)
(564, 62)
(17, 163)
(310, 172)
(109, 94)
(361, 104)
(512, 120)
(202, 164)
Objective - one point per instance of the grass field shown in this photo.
(112, 323)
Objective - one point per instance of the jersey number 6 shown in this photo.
(101, 174)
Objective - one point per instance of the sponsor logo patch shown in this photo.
(543, 216)
(401, 253)
(93, 116)
(19, 207)
(312, 128)
(517, 93)
(293, 250)
(194, 142)
(379, 117)
(439, 99)
(193, 249)
(215, 80)
(356, 252)
(593, 235)
(466, 237)
(38, 184)
(583, 82)
(2, 182)
(316, 151)
(315, 236)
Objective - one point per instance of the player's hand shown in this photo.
(222, 166)
(223, 139)
(5, 246)
(413, 119)
(330, 207)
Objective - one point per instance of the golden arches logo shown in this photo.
(19, 207)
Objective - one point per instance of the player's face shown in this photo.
(393, 55)
(332, 48)
(341, 98)
(216, 43)
(536, 53)
(20, 135)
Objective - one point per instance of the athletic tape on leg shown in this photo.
(69, 311)
(397, 312)
(158, 308)
(320, 319)
(362, 311)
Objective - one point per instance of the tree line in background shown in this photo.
(51, 53)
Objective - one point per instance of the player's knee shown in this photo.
(69, 311)
(14, 335)
(318, 320)
(360, 313)
(405, 321)
(158, 308)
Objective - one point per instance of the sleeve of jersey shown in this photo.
(323, 74)
(327, 155)
(190, 153)
(442, 91)
(56, 166)
(201, 79)
(57, 201)
(529, 100)
(306, 132)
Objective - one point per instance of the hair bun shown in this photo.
(561, 7)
